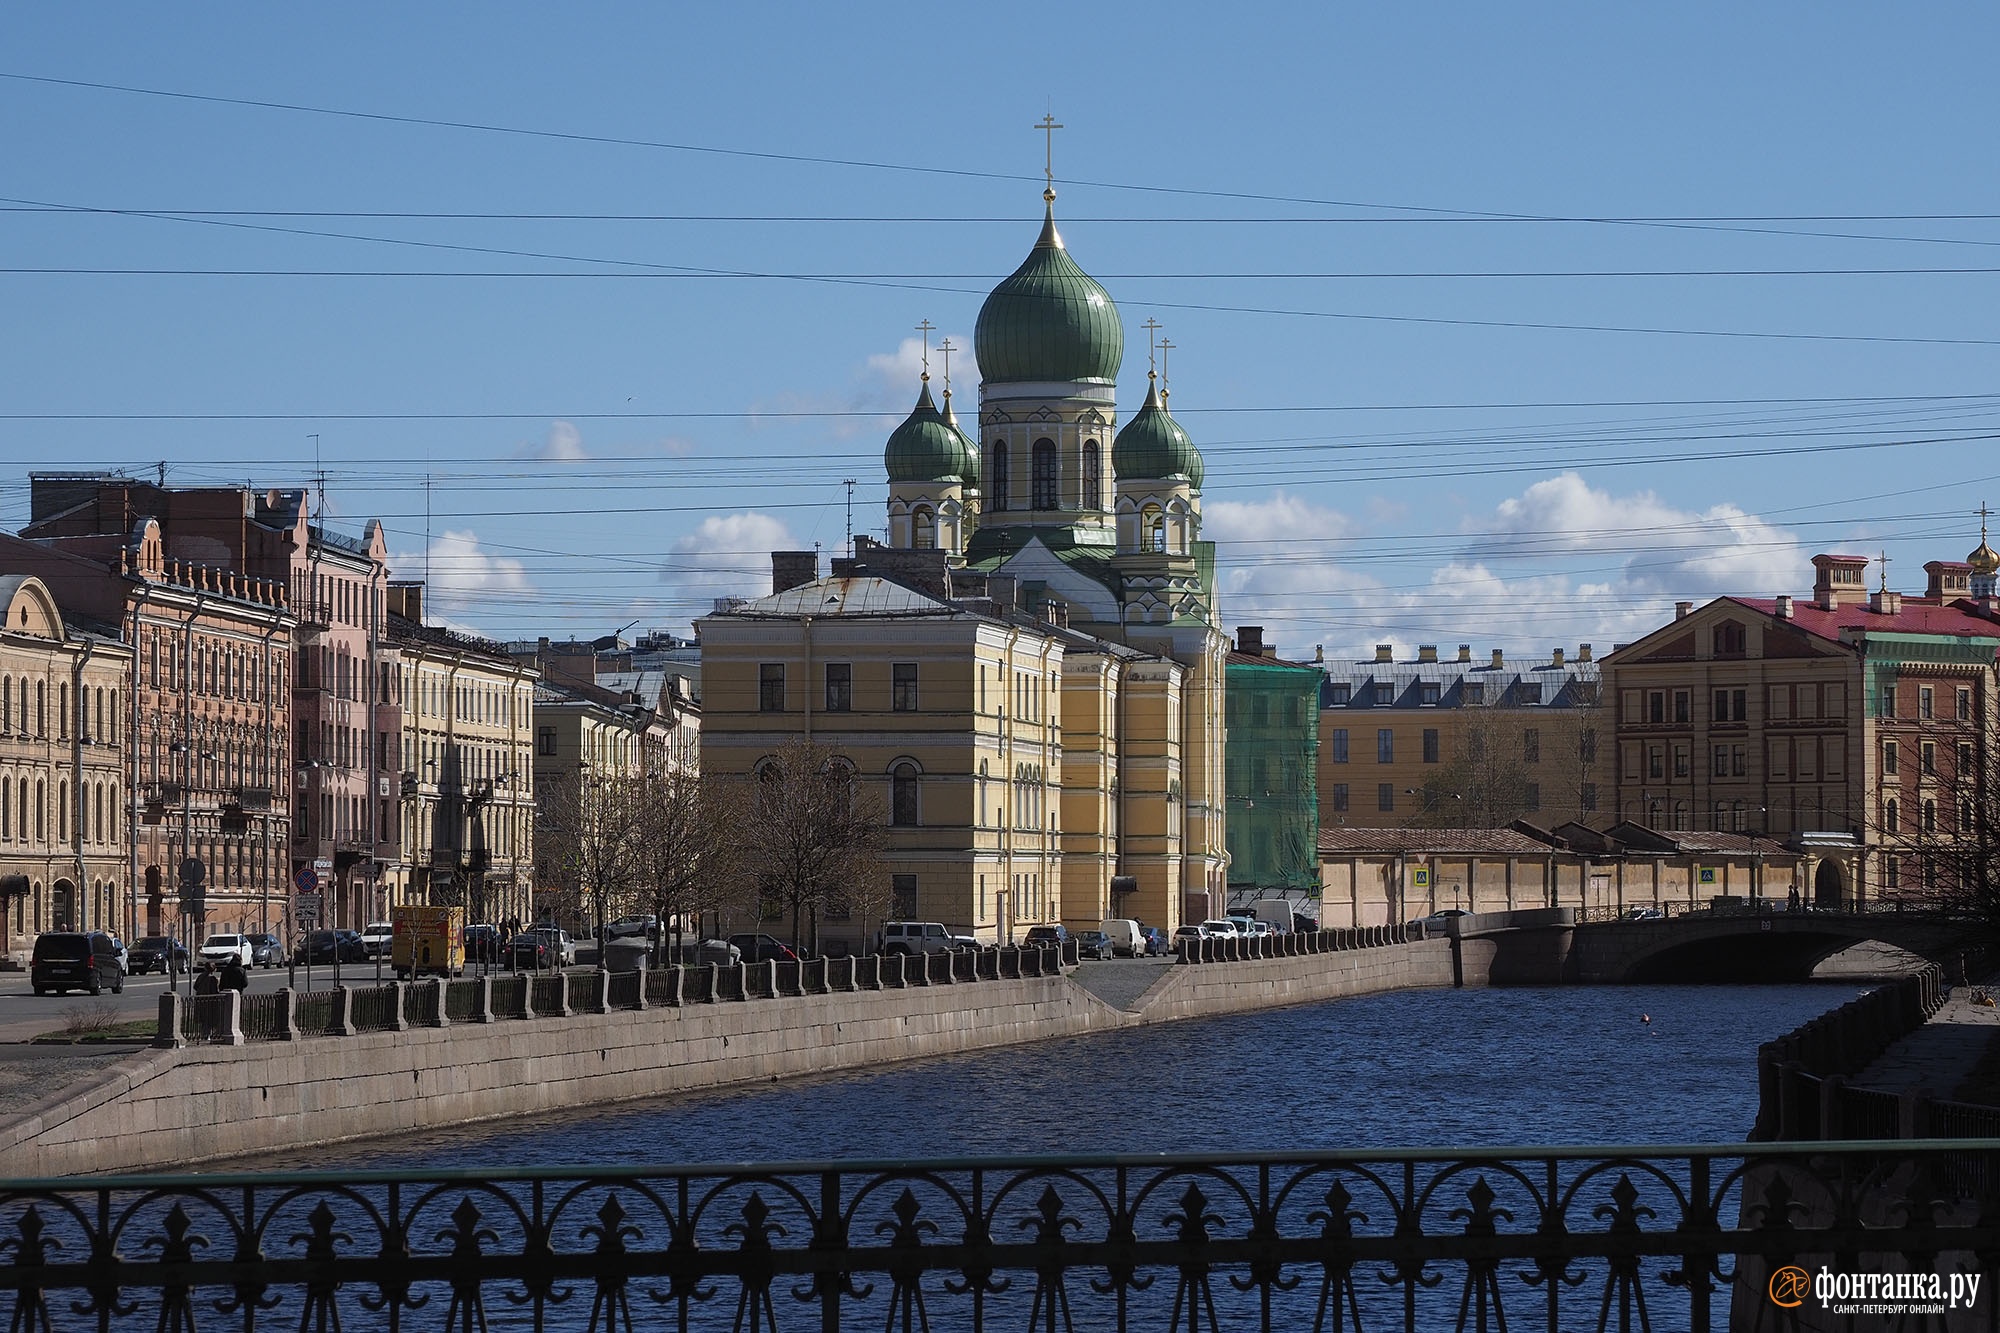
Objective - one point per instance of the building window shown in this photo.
(1892, 872)
(1588, 798)
(1721, 765)
(545, 740)
(1531, 746)
(1926, 702)
(1385, 694)
(1683, 758)
(1890, 762)
(1927, 757)
(1093, 476)
(1042, 476)
(1339, 740)
(1889, 815)
(1385, 797)
(1340, 796)
(1656, 763)
(903, 896)
(1586, 745)
(1385, 746)
(1529, 691)
(1656, 705)
(1430, 693)
(1533, 796)
(923, 528)
(771, 687)
(996, 488)
(1885, 701)
(1930, 816)
(903, 687)
(1339, 692)
(903, 794)
(1965, 705)
(1430, 745)
(1683, 706)
(839, 687)
(1472, 692)
(1729, 639)
(1153, 530)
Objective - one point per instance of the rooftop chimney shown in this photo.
(1784, 608)
(1385, 652)
(792, 569)
(1885, 602)
(1499, 659)
(1683, 609)
(1250, 640)
(1427, 652)
(1583, 652)
(1558, 659)
(1465, 652)
(1839, 580)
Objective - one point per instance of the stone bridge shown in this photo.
(1549, 946)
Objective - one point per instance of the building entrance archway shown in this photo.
(1829, 886)
(63, 906)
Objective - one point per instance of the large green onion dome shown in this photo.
(1153, 447)
(928, 447)
(1049, 321)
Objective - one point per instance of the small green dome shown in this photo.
(1153, 447)
(969, 474)
(927, 447)
(1049, 321)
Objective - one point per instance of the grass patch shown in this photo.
(99, 1021)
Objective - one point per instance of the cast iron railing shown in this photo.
(1628, 1239)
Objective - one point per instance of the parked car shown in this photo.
(1156, 941)
(67, 960)
(482, 944)
(1051, 934)
(378, 938)
(1190, 932)
(759, 948)
(1093, 944)
(329, 946)
(531, 949)
(919, 937)
(156, 953)
(717, 951)
(645, 927)
(266, 951)
(219, 949)
(561, 947)
(1220, 929)
(1128, 940)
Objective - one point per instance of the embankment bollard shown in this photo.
(168, 1037)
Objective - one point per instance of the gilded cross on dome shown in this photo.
(925, 329)
(945, 347)
(1048, 125)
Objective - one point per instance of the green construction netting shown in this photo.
(1270, 762)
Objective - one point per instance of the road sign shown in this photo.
(306, 909)
(1420, 877)
(307, 880)
(193, 871)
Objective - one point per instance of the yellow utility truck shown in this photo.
(427, 940)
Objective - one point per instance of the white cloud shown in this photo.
(461, 578)
(886, 382)
(563, 445)
(726, 555)
(1273, 574)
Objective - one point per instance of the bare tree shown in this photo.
(587, 844)
(817, 836)
(1484, 785)
(692, 837)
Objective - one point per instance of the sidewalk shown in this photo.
(1939, 1056)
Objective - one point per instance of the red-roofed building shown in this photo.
(1847, 724)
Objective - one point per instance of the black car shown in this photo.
(155, 952)
(482, 944)
(1055, 934)
(763, 948)
(328, 946)
(1093, 944)
(530, 949)
(67, 960)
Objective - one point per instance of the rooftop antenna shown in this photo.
(427, 531)
(848, 482)
(160, 470)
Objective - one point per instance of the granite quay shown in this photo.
(230, 1078)
(1469, 1240)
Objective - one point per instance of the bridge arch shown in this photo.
(1780, 947)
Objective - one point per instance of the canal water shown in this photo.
(1435, 1068)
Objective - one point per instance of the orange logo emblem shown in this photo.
(1789, 1286)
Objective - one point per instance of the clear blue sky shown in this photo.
(1471, 303)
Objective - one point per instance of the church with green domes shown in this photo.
(1048, 727)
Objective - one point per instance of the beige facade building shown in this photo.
(65, 821)
(466, 768)
(997, 743)
(1461, 742)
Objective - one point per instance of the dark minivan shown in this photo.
(67, 960)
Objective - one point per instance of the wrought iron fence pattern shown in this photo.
(376, 1009)
(461, 999)
(263, 1016)
(1628, 1239)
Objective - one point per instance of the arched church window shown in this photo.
(1153, 528)
(1043, 464)
(997, 475)
(1093, 477)
(924, 527)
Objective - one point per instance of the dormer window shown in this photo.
(1340, 693)
(1729, 639)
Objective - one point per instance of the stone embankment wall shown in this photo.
(200, 1103)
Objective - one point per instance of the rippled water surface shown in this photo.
(1412, 1068)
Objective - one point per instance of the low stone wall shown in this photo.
(200, 1103)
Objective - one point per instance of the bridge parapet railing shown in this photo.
(1557, 1239)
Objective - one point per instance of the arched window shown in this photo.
(1043, 465)
(923, 526)
(903, 794)
(1930, 816)
(6, 808)
(1889, 815)
(1153, 529)
(1093, 477)
(996, 491)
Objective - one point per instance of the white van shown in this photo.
(1273, 912)
(1126, 941)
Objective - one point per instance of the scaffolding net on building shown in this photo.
(1270, 767)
